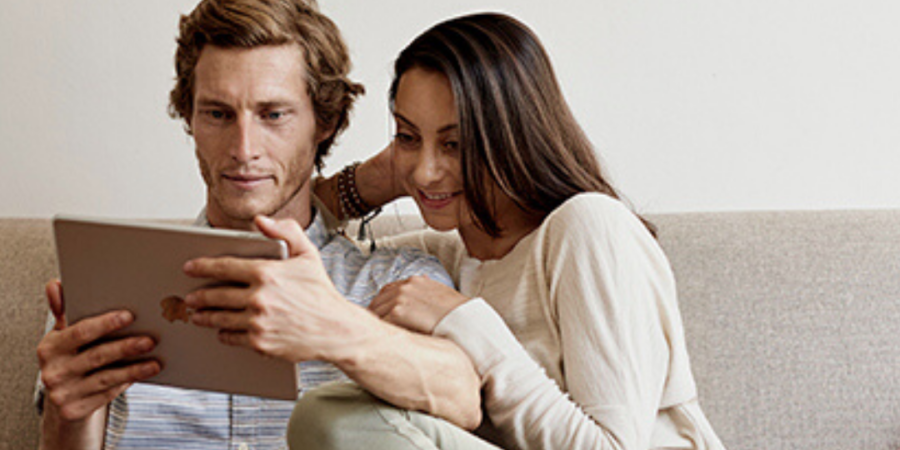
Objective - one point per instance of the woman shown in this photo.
(567, 305)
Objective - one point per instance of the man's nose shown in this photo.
(246, 145)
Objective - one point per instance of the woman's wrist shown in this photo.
(375, 180)
(358, 188)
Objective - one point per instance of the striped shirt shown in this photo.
(151, 416)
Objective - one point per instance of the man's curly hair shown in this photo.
(255, 23)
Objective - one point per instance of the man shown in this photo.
(262, 86)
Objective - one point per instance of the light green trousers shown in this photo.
(344, 416)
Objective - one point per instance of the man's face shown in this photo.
(255, 131)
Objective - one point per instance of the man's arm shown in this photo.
(58, 433)
(80, 377)
(291, 310)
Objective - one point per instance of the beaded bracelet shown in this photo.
(352, 205)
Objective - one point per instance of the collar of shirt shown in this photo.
(317, 231)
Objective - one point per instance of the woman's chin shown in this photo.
(439, 223)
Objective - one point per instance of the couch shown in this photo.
(792, 321)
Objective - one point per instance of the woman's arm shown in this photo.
(605, 282)
(374, 180)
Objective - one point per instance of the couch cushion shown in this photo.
(792, 324)
(791, 320)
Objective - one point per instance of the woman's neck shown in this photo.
(482, 246)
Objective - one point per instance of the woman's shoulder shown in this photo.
(592, 212)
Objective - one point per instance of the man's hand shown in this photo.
(290, 309)
(417, 303)
(286, 309)
(79, 375)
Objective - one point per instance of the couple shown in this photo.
(565, 331)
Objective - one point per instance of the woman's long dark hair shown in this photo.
(516, 128)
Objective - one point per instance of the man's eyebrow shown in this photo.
(409, 123)
(210, 102)
(273, 104)
(268, 104)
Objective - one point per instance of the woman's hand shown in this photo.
(375, 183)
(417, 303)
(375, 178)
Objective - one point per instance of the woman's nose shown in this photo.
(428, 168)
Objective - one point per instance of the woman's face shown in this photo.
(426, 148)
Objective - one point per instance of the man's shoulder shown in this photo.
(384, 263)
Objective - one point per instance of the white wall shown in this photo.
(694, 105)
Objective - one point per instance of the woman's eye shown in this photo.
(452, 146)
(404, 138)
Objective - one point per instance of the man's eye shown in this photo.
(217, 114)
(274, 115)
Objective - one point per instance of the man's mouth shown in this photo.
(246, 181)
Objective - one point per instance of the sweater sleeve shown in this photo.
(605, 279)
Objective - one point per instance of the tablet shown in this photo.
(107, 265)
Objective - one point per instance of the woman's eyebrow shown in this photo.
(405, 121)
(443, 129)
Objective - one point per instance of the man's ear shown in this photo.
(325, 132)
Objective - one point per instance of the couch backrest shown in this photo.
(791, 319)
(27, 262)
(793, 324)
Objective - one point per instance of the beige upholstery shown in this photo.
(793, 323)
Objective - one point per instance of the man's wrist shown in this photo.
(360, 347)
(87, 433)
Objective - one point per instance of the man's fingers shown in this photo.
(110, 352)
(88, 330)
(224, 268)
(287, 230)
(222, 319)
(235, 338)
(114, 378)
(82, 398)
(223, 297)
(84, 407)
(53, 290)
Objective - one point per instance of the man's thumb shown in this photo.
(287, 230)
(53, 290)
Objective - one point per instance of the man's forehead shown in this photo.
(265, 71)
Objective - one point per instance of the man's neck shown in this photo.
(298, 208)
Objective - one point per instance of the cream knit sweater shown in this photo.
(576, 334)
